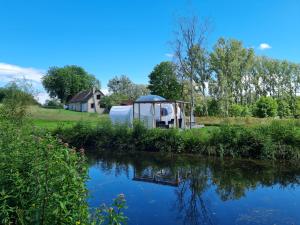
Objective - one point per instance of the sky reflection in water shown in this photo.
(190, 190)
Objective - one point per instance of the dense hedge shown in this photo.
(277, 140)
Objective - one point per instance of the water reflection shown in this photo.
(195, 179)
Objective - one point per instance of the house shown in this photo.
(86, 101)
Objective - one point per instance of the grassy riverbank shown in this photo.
(275, 140)
(51, 118)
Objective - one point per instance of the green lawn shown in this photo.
(51, 118)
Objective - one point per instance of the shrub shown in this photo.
(297, 108)
(283, 108)
(214, 108)
(265, 107)
(42, 182)
(236, 110)
(278, 140)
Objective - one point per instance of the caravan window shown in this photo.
(163, 112)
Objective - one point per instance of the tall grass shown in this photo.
(275, 140)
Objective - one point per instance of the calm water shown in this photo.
(190, 190)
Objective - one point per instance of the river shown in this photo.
(193, 190)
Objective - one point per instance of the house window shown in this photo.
(92, 105)
(98, 97)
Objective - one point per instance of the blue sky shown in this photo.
(111, 38)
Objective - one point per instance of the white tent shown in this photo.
(121, 115)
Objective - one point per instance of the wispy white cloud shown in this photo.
(10, 72)
(264, 46)
(169, 55)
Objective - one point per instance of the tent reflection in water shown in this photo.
(153, 111)
(159, 176)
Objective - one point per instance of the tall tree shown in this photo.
(189, 45)
(64, 82)
(163, 81)
(229, 63)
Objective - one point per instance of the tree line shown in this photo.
(229, 80)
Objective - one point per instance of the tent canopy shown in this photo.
(154, 98)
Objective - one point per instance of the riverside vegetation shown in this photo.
(42, 179)
(275, 140)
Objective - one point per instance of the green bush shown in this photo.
(265, 107)
(42, 181)
(277, 140)
(214, 108)
(283, 108)
(236, 110)
(297, 108)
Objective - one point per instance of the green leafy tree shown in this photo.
(110, 100)
(123, 86)
(163, 81)
(266, 107)
(64, 82)
(230, 62)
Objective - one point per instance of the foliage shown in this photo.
(297, 108)
(110, 100)
(15, 102)
(283, 108)
(123, 86)
(111, 215)
(279, 139)
(214, 108)
(229, 61)
(265, 107)
(54, 104)
(236, 110)
(18, 88)
(64, 82)
(42, 182)
(42, 179)
(163, 81)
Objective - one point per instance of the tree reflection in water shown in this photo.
(193, 176)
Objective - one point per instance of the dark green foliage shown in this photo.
(64, 82)
(42, 182)
(163, 81)
(278, 140)
(265, 107)
(297, 108)
(283, 108)
(214, 108)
